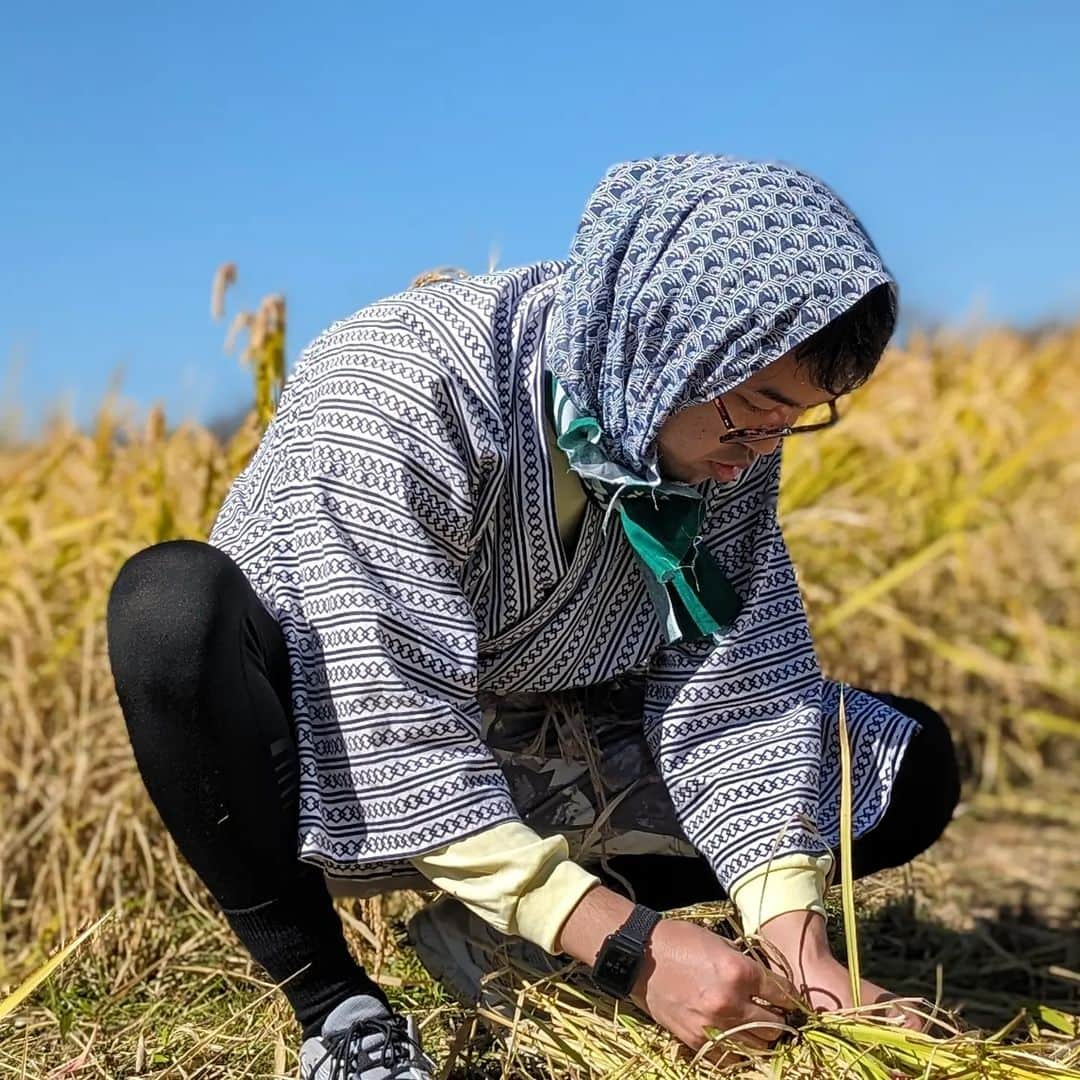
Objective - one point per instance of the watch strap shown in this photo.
(640, 925)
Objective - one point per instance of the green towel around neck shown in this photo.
(662, 522)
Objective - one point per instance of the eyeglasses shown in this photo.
(737, 434)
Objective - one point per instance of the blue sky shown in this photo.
(335, 150)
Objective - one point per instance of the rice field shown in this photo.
(937, 534)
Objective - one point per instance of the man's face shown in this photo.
(775, 397)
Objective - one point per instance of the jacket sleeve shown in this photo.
(735, 724)
(386, 466)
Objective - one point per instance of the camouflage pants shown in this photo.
(578, 764)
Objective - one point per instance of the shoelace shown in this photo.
(396, 1049)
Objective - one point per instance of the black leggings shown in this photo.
(202, 675)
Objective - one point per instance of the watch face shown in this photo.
(619, 965)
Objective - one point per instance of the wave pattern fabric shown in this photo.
(690, 272)
(398, 520)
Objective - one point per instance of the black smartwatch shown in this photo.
(619, 960)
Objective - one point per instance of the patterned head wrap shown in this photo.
(689, 273)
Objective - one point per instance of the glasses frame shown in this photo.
(750, 434)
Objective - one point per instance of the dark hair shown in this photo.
(843, 353)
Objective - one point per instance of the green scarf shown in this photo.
(662, 521)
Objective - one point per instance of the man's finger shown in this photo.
(777, 991)
(771, 1023)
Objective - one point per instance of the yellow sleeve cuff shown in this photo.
(790, 883)
(514, 879)
(544, 909)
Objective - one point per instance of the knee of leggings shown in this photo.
(165, 601)
(932, 771)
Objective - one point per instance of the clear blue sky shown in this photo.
(334, 150)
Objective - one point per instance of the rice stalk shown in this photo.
(13, 1000)
(847, 873)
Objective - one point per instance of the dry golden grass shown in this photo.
(937, 533)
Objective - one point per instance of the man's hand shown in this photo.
(691, 978)
(802, 941)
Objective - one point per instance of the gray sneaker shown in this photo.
(459, 949)
(362, 1040)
